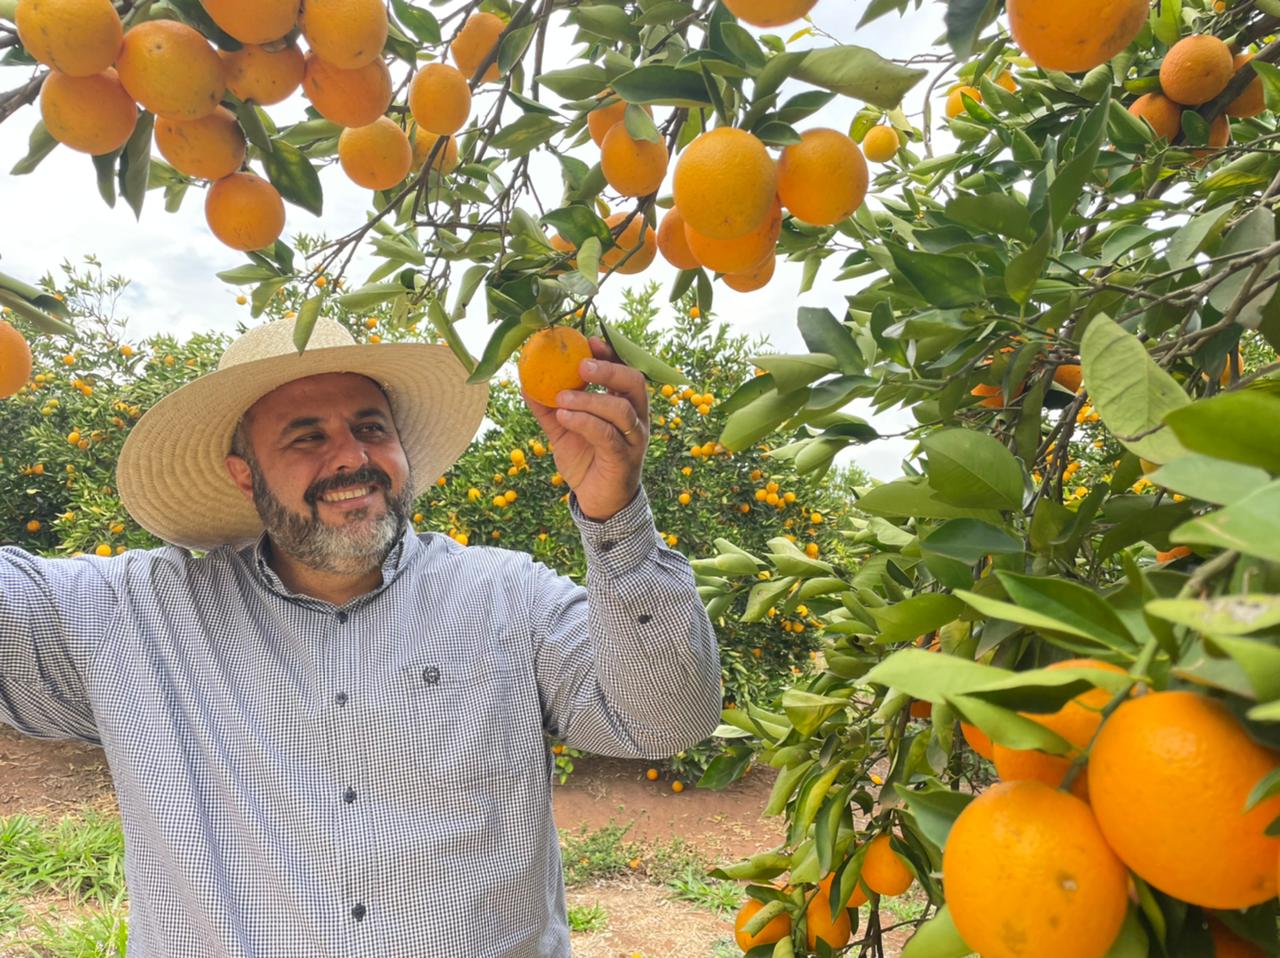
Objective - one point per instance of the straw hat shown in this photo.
(172, 474)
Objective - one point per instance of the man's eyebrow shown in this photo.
(307, 422)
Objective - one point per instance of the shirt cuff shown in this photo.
(621, 542)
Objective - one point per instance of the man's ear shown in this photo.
(240, 474)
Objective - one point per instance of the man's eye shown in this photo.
(373, 425)
(314, 435)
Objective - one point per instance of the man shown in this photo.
(327, 733)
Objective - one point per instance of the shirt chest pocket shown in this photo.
(457, 718)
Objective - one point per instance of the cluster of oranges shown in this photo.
(100, 73)
(884, 872)
(1161, 789)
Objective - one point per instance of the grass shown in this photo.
(582, 918)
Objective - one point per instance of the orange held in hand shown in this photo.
(15, 360)
(1169, 777)
(1025, 871)
(823, 178)
(75, 37)
(725, 183)
(1075, 36)
(549, 362)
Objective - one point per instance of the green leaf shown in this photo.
(371, 295)
(135, 164)
(292, 174)
(1068, 602)
(639, 358)
(995, 609)
(823, 333)
(604, 20)
(1250, 525)
(972, 469)
(1259, 659)
(505, 340)
(303, 326)
(793, 372)
(250, 119)
(105, 166)
(968, 540)
(1132, 394)
(1224, 615)
(525, 134)
(444, 326)
(940, 279)
(919, 615)
(1209, 479)
(808, 711)
(1006, 727)
(1132, 942)
(1025, 269)
(421, 23)
(1166, 21)
(39, 145)
(997, 213)
(639, 124)
(1240, 426)
(1068, 185)
(31, 312)
(906, 498)
(576, 83)
(760, 417)
(1267, 788)
(964, 20)
(857, 72)
(663, 85)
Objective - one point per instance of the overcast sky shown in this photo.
(56, 213)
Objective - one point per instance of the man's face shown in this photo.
(326, 472)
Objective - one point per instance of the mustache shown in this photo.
(365, 476)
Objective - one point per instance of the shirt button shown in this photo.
(358, 912)
(341, 698)
(349, 795)
(342, 617)
(644, 619)
(606, 545)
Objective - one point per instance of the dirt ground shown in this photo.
(58, 778)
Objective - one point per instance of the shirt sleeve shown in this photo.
(53, 613)
(627, 666)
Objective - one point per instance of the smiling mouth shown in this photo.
(348, 494)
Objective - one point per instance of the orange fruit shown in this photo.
(632, 167)
(15, 360)
(208, 148)
(347, 33)
(549, 362)
(645, 244)
(1163, 114)
(819, 922)
(725, 183)
(244, 211)
(978, 740)
(92, 114)
(171, 70)
(77, 37)
(253, 21)
(1168, 778)
(603, 118)
(883, 870)
(1077, 721)
(1077, 36)
(775, 930)
(672, 243)
(738, 254)
(1006, 81)
(1219, 136)
(881, 144)
(1252, 101)
(757, 277)
(769, 13)
(1173, 555)
(955, 100)
(446, 160)
(347, 97)
(1226, 944)
(377, 156)
(993, 395)
(264, 76)
(440, 99)
(1196, 69)
(1026, 871)
(823, 178)
(473, 44)
(1069, 376)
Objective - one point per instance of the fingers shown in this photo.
(615, 415)
(618, 378)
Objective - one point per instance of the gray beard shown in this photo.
(354, 548)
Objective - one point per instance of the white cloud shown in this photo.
(56, 213)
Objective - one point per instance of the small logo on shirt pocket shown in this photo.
(431, 675)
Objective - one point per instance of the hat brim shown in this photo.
(172, 472)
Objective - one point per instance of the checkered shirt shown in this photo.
(298, 779)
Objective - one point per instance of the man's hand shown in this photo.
(598, 440)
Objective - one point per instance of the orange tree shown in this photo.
(1097, 209)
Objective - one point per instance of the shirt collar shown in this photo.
(397, 560)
